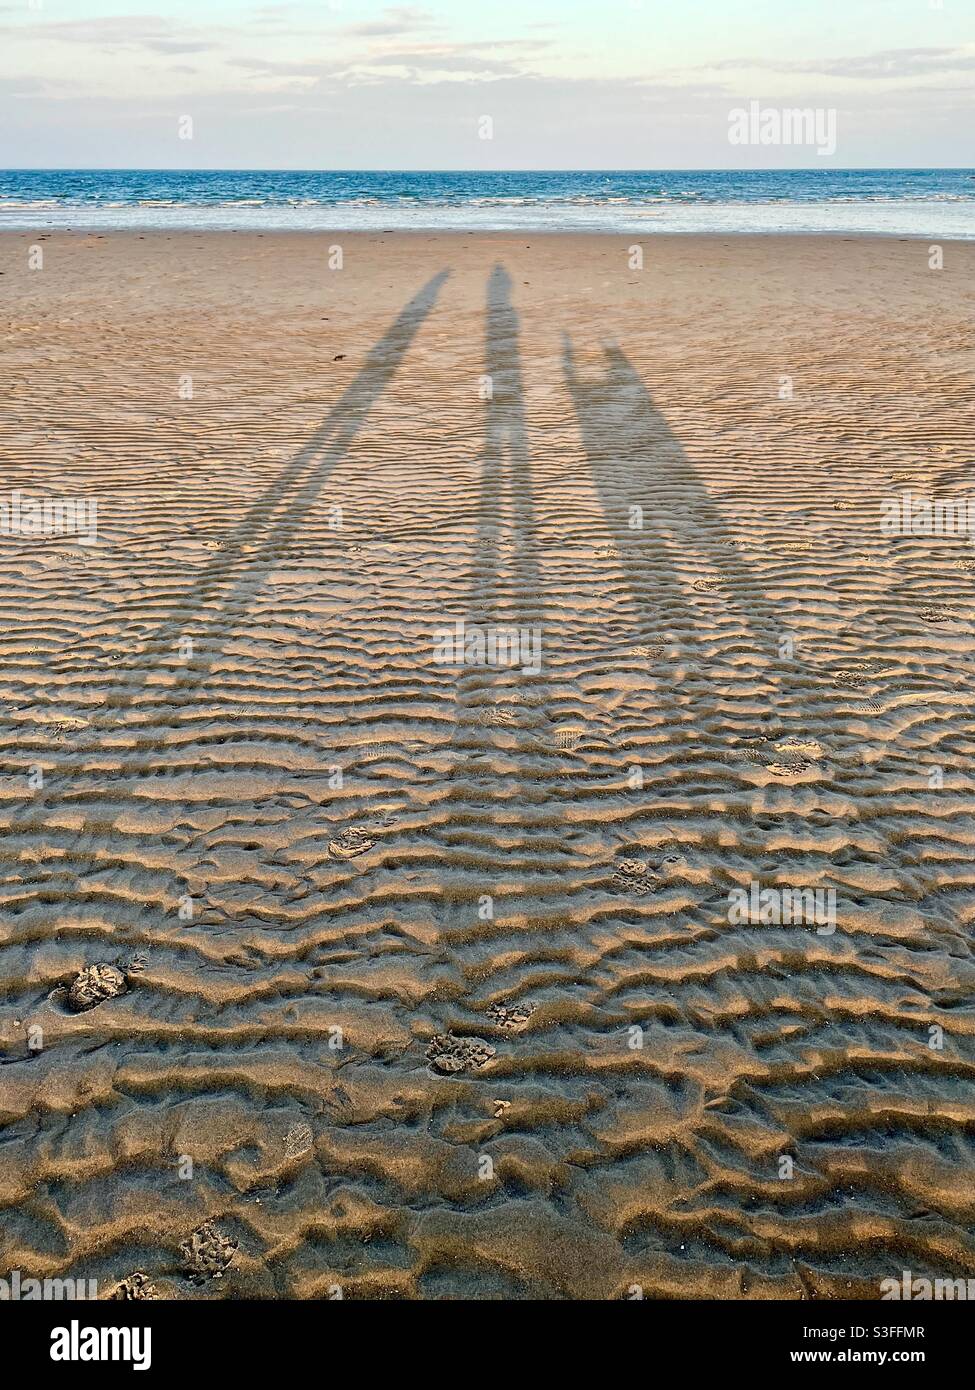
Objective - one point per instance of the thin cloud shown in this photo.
(283, 67)
(19, 86)
(473, 58)
(152, 32)
(398, 20)
(887, 64)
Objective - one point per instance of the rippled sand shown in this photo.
(315, 853)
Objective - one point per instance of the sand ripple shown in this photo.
(431, 987)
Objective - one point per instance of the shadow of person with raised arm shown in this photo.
(636, 461)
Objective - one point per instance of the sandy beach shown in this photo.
(427, 982)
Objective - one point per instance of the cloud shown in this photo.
(284, 67)
(474, 59)
(398, 20)
(152, 32)
(889, 63)
(396, 122)
(19, 86)
(177, 46)
(420, 61)
(403, 79)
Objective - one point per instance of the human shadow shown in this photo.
(205, 612)
(505, 507)
(504, 585)
(636, 461)
(503, 704)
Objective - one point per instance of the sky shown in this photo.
(568, 84)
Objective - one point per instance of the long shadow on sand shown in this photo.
(225, 584)
(209, 609)
(503, 712)
(634, 458)
(506, 474)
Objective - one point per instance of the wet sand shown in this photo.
(429, 984)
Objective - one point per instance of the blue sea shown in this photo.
(898, 202)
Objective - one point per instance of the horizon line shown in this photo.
(459, 169)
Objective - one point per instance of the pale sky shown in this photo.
(358, 84)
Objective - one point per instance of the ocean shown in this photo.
(895, 202)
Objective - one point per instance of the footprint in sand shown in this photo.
(354, 840)
(635, 876)
(497, 717)
(64, 728)
(95, 984)
(207, 1253)
(788, 767)
(800, 747)
(59, 559)
(671, 863)
(854, 680)
(791, 756)
(298, 1140)
(751, 749)
(372, 752)
(511, 1018)
(135, 1287)
(568, 737)
(449, 1055)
